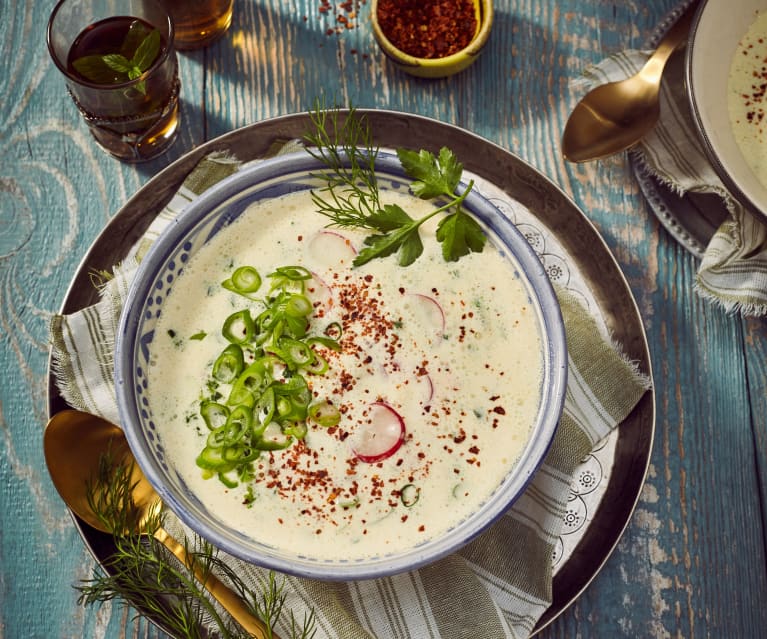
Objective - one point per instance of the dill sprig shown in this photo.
(142, 574)
(346, 148)
(350, 196)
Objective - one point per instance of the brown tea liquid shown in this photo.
(132, 124)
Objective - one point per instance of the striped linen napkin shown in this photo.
(496, 587)
(733, 271)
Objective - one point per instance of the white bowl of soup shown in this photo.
(726, 81)
(327, 419)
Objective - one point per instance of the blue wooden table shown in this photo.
(692, 560)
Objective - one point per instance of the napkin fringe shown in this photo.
(675, 187)
(729, 306)
(641, 379)
(61, 365)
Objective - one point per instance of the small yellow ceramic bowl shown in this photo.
(436, 67)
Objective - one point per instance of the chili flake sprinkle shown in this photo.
(428, 28)
(346, 14)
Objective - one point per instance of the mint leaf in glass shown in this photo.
(95, 69)
(147, 51)
(137, 33)
(141, 44)
(118, 63)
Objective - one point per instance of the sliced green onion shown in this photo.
(318, 366)
(240, 422)
(265, 322)
(292, 273)
(325, 414)
(409, 495)
(229, 483)
(272, 444)
(233, 431)
(295, 352)
(213, 459)
(263, 412)
(327, 342)
(244, 280)
(293, 397)
(290, 278)
(213, 414)
(267, 407)
(229, 364)
(296, 429)
(274, 439)
(334, 330)
(297, 326)
(248, 387)
(238, 327)
(298, 306)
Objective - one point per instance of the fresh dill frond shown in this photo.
(141, 574)
(346, 148)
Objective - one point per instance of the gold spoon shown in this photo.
(74, 444)
(614, 116)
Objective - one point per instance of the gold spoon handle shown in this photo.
(218, 590)
(670, 42)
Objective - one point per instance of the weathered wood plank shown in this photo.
(692, 562)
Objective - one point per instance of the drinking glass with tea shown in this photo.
(198, 23)
(121, 71)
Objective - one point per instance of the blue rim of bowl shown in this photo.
(552, 402)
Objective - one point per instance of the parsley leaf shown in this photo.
(460, 235)
(433, 177)
(404, 240)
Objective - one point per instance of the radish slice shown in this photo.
(380, 436)
(429, 312)
(331, 249)
(425, 382)
(321, 291)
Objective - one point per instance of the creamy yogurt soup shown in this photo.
(432, 384)
(747, 89)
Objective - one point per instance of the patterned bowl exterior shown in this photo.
(191, 230)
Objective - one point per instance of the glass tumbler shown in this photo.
(120, 69)
(199, 22)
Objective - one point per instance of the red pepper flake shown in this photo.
(428, 28)
(460, 437)
(345, 14)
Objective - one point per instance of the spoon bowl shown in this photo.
(615, 116)
(75, 444)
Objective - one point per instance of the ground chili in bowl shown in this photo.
(431, 38)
